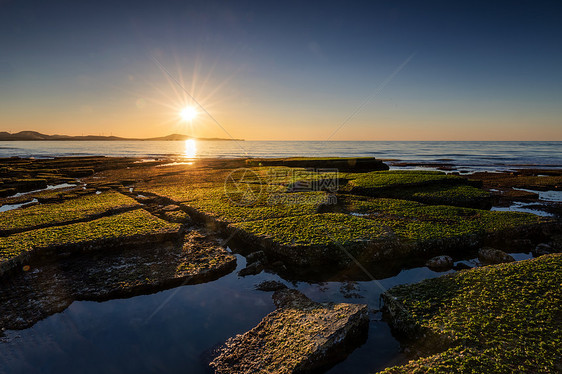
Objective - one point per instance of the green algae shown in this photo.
(138, 222)
(458, 195)
(394, 178)
(457, 360)
(503, 318)
(216, 201)
(315, 230)
(267, 206)
(415, 221)
(60, 193)
(390, 229)
(67, 211)
(430, 187)
(348, 220)
(366, 205)
(185, 192)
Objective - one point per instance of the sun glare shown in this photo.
(188, 113)
(190, 150)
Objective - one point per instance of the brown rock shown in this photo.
(300, 336)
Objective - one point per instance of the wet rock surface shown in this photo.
(493, 256)
(252, 269)
(269, 286)
(299, 336)
(440, 263)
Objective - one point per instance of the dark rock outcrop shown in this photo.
(542, 249)
(252, 269)
(47, 288)
(269, 286)
(340, 163)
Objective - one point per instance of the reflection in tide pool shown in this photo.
(190, 148)
(173, 331)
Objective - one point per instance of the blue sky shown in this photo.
(285, 70)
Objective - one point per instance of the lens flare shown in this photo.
(190, 150)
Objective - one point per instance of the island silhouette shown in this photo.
(34, 135)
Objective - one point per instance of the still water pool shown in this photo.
(173, 331)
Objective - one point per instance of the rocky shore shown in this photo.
(117, 227)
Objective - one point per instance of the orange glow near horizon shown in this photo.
(147, 103)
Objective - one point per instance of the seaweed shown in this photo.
(394, 178)
(68, 211)
(502, 318)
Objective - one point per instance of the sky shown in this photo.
(290, 70)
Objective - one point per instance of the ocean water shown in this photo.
(470, 154)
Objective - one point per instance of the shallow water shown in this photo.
(50, 187)
(171, 330)
(523, 208)
(174, 330)
(553, 196)
(6, 207)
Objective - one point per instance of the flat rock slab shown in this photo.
(299, 336)
(341, 163)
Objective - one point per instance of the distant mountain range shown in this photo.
(34, 135)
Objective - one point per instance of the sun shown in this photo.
(188, 113)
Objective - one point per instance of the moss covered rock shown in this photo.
(74, 210)
(132, 228)
(495, 319)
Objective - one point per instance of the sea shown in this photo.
(475, 155)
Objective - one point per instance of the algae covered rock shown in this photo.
(493, 256)
(300, 336)
(495, 319)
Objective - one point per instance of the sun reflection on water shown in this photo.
(190, 150)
